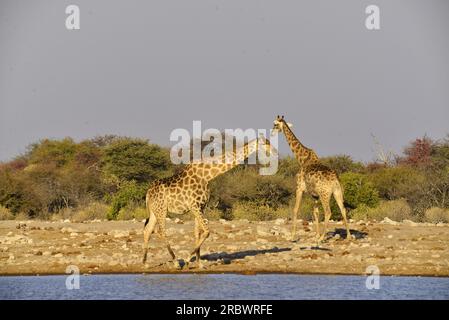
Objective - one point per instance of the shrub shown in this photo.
(396, 210)
(129, 213)
(440, 153)
(94, 210)
(5, 214)
(214, 214)
(130, 194)
(417, 153)
(288, 167)
(19, 194)
(21, 216)
(306, 209)
(397, 182)
(342, 164)
(246, 185)
(136, 159)
(358, 190)
(256, 212)
(436, 215)
(54, 152)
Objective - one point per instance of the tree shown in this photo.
(58, 152)
(136, 159)
(358, 190)
(418, 152)
(342, 163)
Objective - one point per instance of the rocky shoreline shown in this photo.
(99, 247)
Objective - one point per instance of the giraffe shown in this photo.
(188, 191)
(314, 178)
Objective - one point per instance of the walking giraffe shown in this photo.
(314, 178)
(188, 191)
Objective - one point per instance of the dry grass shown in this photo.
(436, 215)
(397, 210)
(129, 213)
(5, 214)
(255, 212)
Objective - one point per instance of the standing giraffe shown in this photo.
(188, 191)
(314, 178)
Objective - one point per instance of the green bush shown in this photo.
(246, 185)
(436, 215)
(342, 164)
(129, 194)
(136, 159)
(358, 190)
(55, 152)
(20, 194)
(129, 213)
(397, 182)
(288, 167)
(439, 154)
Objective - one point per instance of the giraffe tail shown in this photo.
(146, 222)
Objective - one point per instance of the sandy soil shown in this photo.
(38, 247)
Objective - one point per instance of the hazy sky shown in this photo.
(143, 68)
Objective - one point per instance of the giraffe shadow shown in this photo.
(342, 233)
(229, 257)
(315, 248)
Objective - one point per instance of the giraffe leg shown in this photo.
(327, 213)
(148, 230)
(163, 235)
(198, 232)
(338, 196)
(316, 216)
(203, 233)
(299, 193)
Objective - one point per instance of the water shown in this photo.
(222, 286)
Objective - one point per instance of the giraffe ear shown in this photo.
(289, 124)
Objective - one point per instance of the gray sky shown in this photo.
(143, 68)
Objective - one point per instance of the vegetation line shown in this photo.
(106, 178)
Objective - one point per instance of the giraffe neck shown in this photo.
(231, 159)
(304, 155)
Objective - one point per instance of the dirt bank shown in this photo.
(38, 247)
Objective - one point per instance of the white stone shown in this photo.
(410, 223)
(279, 221)
(389, 221)
(263, 232)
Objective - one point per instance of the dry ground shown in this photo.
(40, 247)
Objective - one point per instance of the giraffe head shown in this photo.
(279, 124)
